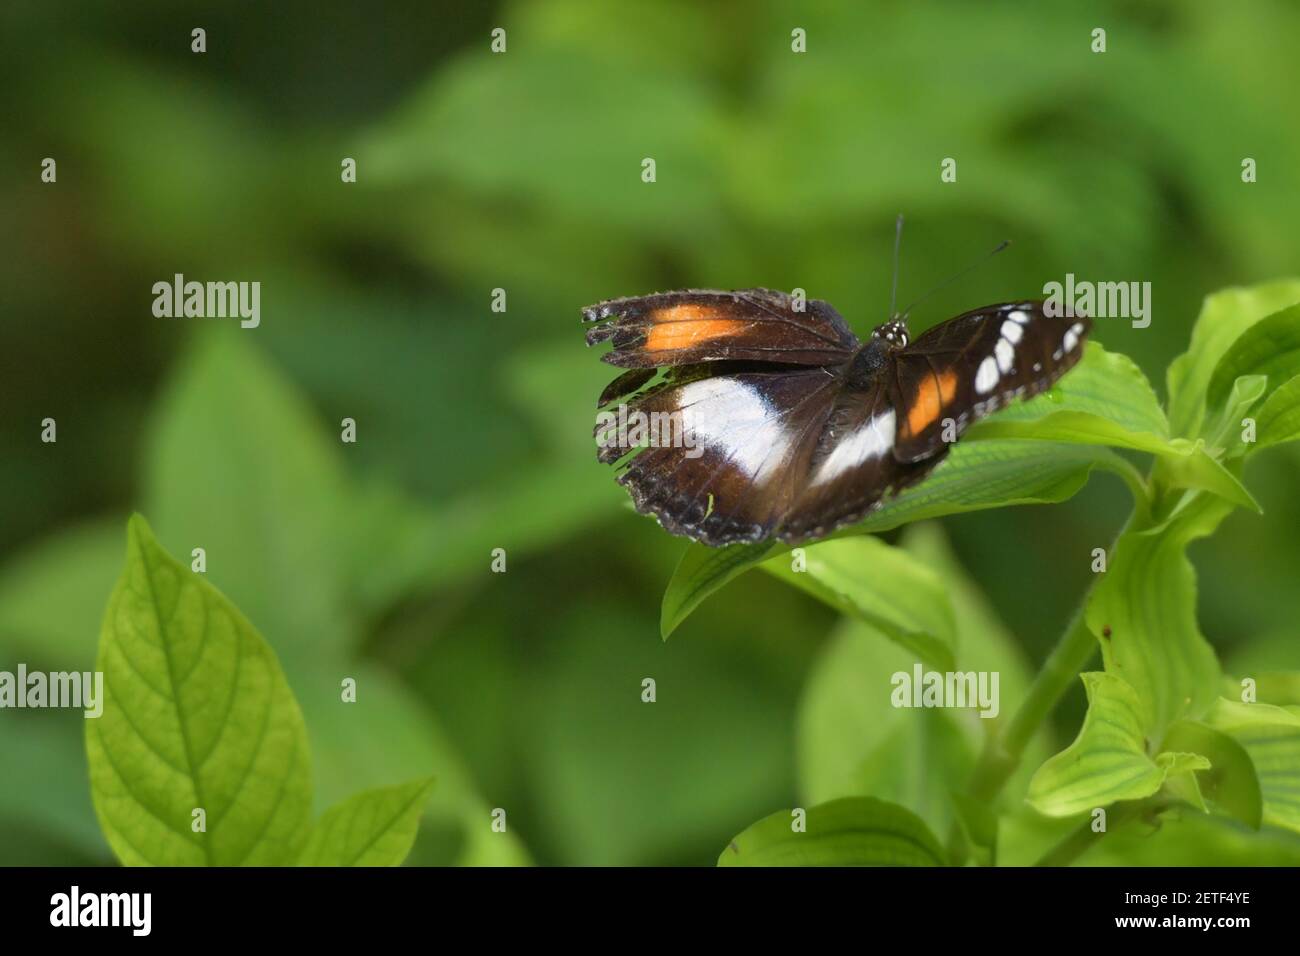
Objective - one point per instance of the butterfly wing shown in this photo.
(969, 367)
(744, 440)
(677, 328)
(853, 468)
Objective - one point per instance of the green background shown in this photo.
(522, 171)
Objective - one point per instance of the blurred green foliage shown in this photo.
(521, 171)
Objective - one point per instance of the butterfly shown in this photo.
(775, 421)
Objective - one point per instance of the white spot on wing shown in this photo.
(1012, 332)
(1071, 338)
(1005, 355)
(871, 440)
(987, 376)
(1018, 315)
(733, 418)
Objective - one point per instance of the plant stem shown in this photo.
(1083, 838)
(1003, 751)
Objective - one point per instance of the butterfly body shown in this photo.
(789, 426)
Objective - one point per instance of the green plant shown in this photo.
(201, 754)
(1158, 738)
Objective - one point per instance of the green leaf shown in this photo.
(1106, 400)
(1144, 613)
(1271, 735)
(1224, 434)
(1187, 462)
(1104, 385)
(1230, 785)
(1271, 348)
(1278, 420)
(1180, 779)
(1107, 762)
(374, 828)
(881, 585)
(1224, 317)
(852, 741)
(976, 475)
(197, 715)
(1192, 466)
(239, 465)
(855, 831)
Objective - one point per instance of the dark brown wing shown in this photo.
(677, 328)
(732, 450)
(853, 468)
(971, 366)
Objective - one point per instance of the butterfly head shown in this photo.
(893, 334)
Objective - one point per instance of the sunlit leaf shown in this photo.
(197, 717)
(1229, 785)
(1270, 347)
(883, 586)
(1107, 762)
(855, 831)
(1271, 735)
(373, 828)
(1144, 613)
(1224, 317)
(1278, 420)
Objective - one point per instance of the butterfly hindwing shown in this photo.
(675, 328)
(748, 438)
(853, 467)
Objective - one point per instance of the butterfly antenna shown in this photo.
(953, 278)
(898, 241)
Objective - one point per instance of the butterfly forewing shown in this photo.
(969, 367)
(675, 328)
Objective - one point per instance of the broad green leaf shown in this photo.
(1107, 762)
(881, 585)
(1229, 784)
(1270, 347)
(197, 716)
(983, 641)
(240, 466)
(1081, 428)
(1271, 735)
(855, 831)
(373, 828)
(1144, 613)
(1278, 420)
(1187, 462)
(1224, 317)
(1103, 385)
(976, 475)
(852, 741)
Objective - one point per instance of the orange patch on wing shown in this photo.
(682, 326)
(932, 395)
